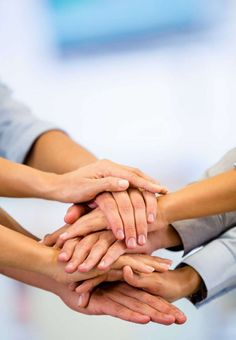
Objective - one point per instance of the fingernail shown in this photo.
(150, 269)
(63, 236)
(151, 218)
(82, 266)
(120, 234)
(63, 256)
(69, 266)
(93, 205)
(102, 264)
(142, 239)
(165, 266)
(131, 242)
(80, 300)
(123, 183)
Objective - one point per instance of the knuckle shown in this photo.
(126, 208)
(103, 243)
(109, 205)
(130, 230)
(138, 204)
(133, 177)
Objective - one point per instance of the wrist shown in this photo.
(47, 262)
(165, 205)
(53, 187)
(46, 186)
(166, 237)
(189, 281)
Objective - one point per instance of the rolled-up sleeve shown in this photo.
(19, 129)
(216, 264)
(196, 232)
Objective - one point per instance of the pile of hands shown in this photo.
(105, 251)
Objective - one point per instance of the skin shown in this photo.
(129, 214)
(214, 195)
(172, 285)
(20, 251)
(119, 300)
(74, 175)
(211, 196)
(102, 248)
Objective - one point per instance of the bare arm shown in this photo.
(54, 151)
(207, 197)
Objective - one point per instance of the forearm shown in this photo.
(23, 253)
(33, 279)
(54, 151)
(208, 197)
(19, 180)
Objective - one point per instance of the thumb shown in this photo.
(129, 277)
(74, 213)
(92, 187)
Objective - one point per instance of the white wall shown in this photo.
(168, 109)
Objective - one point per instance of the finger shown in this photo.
(133, 279)
(90, 188)
(143, 281)
(113, 253)
(88, 285)
(138, 306)
(158, 263)
(155, 302)
(138, 179)
(94, 221)
(97, 251)
(74, 213)
(115, 309)
(144, 263)
(127, 214)
(108, 205)
(51, 239)
(140, 215)
(81, 251)
(151, 206)
(67, 250)
(83, 300)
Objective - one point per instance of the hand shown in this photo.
(125, 213)
(67, 273)
(126, 303)
(128, 214)
(171, 285)
(87, 182)
(103, 249)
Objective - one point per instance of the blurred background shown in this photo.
(146, 83)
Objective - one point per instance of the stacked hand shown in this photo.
(100, 233)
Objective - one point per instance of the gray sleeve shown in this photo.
(196, 232)
(216, 264)
(19, 129)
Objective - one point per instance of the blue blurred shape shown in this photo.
(85, 22)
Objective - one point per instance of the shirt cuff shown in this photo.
(196, 232)
(217, 267)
